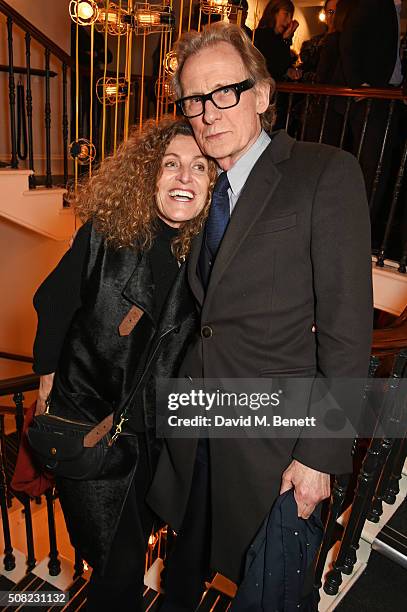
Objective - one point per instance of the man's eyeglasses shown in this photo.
(330, 12)
(222, 97)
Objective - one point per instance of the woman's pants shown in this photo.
(121, 585)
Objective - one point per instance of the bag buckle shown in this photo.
(118, 430)
(47, 404)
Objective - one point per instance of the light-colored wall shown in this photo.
(27, 259)
(49, 16)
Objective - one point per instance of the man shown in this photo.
(238, 15)
(287, 294)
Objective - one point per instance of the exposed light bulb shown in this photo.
(322, 16)
(85, 10)
(148, 18)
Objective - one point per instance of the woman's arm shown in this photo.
(56, 301)
(46, 382)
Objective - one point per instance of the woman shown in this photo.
(273, 39)
(329, 71)
(329, 68)
(116, 311)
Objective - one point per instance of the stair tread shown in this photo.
(5, 583)
(394, 533)
(382, 586)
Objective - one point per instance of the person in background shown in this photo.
(273, 38)
(238, 15)
(370, 57)
(311, 49)
(329, 65)
(114, 313)
(328, 71)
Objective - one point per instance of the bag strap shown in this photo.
(97, 433)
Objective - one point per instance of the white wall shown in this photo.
(27, 259)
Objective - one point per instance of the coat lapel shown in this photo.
(255, 197)
(139, 288)
(193, 278)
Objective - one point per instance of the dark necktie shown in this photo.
(216, 224)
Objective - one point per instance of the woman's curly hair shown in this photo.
(119, 198)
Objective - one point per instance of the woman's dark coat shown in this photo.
(96, 361)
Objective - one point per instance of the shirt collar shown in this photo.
(239, 173)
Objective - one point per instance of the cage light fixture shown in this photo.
(215, 7)
(152, 18)
(83, 12)
(83, 151)
(111, 90)
(170, 63)
(163, 89)
(115, 19)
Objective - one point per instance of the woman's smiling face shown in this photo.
(182, 187)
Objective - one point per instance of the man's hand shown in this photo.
(294, 74)
(46, 382)
(310, 487)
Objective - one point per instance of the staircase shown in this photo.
(39, 210)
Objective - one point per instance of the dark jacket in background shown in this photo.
(279, 563)
(368, 44)
(276, 51)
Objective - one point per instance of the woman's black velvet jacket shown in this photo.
(97, 369)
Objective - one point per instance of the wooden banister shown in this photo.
(391, 338)
(15, 357)
(385, 93)
(19, 384)
(35, 33)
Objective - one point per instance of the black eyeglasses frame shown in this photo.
(238, 87)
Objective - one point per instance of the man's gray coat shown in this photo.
(296, 254)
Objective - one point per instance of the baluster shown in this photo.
(54, 564)
(78, 565)
(376, 509)
(9, 495)
(289, 107)
(338, 495)
(48, 176)
(345, 122)
(367, 479)
(363, 134)
(31, 560)
(9, 561)
(29, 107)
(321, 132)
(12, 94)
(393, 488)
(376, 455)
(304, 123)
(65, 121)
(393, 208)
(381, 157)
(18, 399)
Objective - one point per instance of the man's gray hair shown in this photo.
(193, 42)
